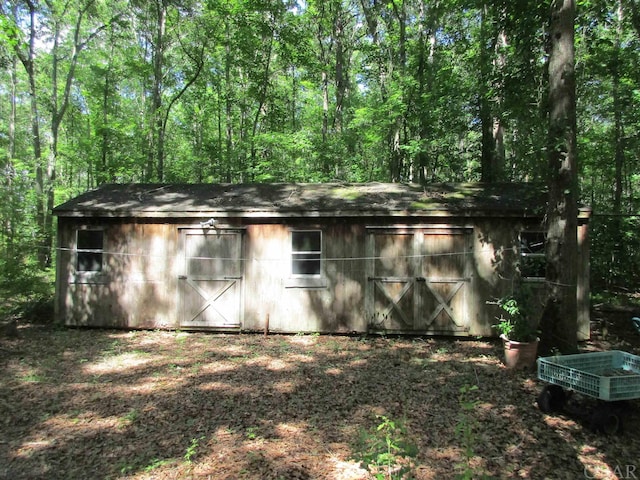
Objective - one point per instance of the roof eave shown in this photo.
(254, 214)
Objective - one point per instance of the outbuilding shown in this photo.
(337, 257)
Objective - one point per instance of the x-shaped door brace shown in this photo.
(443, 304)
(210, 299)
(393, 301)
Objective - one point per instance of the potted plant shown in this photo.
(517, 326)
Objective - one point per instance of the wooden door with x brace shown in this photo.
(419, 280)
(211, 285)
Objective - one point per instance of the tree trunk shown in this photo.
(229, 94)
(618, 253)
(13, 115)
(28, 61)
(341, 69)
(559, 322)
(395, 135)
(487, 167)
(158, 66)
(617, 113)
(264, 88)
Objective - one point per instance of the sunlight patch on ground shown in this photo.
(56, 430)
(146, 386)
(348, 470)
(270, 363)
(600, 470)
(234, 350)
(299, 358)
(30, 447)
(560, 424)
(277, 364)
(359, 362)
(218, 367)
(225, 387)
(483, 360)
(287, 429)
(285, 387)
(115, 363)
(156, 338)
(305, 340)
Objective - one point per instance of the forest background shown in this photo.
(95, 91)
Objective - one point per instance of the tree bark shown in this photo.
(487, 162)
(28, 61)
(229, 99)
(158, 72)
(559, 322)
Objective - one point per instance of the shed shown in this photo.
(337, 257)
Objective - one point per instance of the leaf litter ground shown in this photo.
(168, 405)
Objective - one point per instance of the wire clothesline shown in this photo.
(276, 259)
(324, 259)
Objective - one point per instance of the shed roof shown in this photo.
(298, 200)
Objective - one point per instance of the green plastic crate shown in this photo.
(612, 375)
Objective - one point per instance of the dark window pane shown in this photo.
(532, 242)
(306, 264)
(306, 241)
(534, 266)
(532, 257)
(92, 240)
(306, 250)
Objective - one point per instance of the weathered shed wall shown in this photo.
(420, 259)
(332, 303)
(436, 277)
(136, 287)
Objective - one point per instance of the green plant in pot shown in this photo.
(517, 326)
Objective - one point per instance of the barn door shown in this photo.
(391, 283)
(443, 280)
(418, 280)
(210, 288)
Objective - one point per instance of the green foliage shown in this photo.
(156, 463)
(615, 252)
(386, 450)
(522, 314)
(466, 433)
(192, 449)
(310, 92)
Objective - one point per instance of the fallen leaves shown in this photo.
(164, 405)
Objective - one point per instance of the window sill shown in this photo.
(306, 282)
(89, 278)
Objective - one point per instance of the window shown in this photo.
(306, 252)
(532, 258)
(89, 245)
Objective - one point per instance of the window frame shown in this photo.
(539, 253)
(317, 279)
(82, 276)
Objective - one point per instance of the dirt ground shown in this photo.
(77, 404)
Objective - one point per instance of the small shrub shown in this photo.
(386, 450)
(521, 315)
(192, 449)
(466, 427)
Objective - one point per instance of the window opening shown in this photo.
(532, 257)
(90, 246)
(306, 252)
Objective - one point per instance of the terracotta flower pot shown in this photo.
(520, 355)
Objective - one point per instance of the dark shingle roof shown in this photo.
(322, 199)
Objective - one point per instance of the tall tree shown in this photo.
(26, 52)
(559, 323)
(69, 27)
